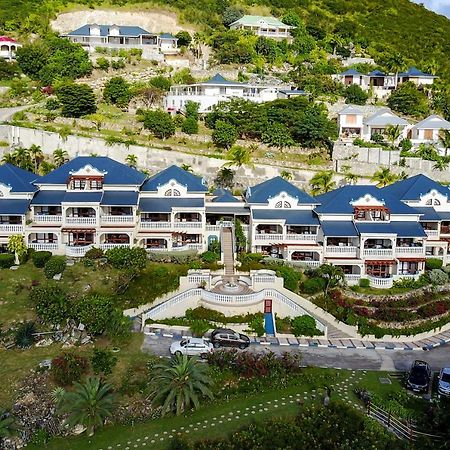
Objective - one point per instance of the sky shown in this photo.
(440, 6)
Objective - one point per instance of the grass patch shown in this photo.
(376, 291)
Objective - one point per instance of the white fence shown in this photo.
(10, 228)
(77, 251)
(344, 251)
(81, 220)
(41, 218)
(118, 219)
(381, 282)
(383, 252)
(43, 246)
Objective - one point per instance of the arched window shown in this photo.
(429, 202)
(176, 193)
(172, 193)
(168, 193)
(278, 204)
(287, 205)
(437, 202)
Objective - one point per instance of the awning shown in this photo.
(291, 217)
(14, 207)
(417, 259)
(165, 205)
(78, 230)
(48, 198)
(375, 228)
(119, 198)
(82, 197)
(377, 262)
(338, 229)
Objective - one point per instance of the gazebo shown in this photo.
(8, 47)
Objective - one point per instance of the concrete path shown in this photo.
(7, 113)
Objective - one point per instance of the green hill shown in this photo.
(380, 27)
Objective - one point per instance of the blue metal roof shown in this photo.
(444, 215)
(351, 72)
(115, 172)
(262, 192)
(292, 217)
(119, 198)
(333, 228)
(415, 72)
(18, 179)
(377, 73)
(414, 187)
(192, 182)
(104, 30)
(167, 36)
(83, 197)
(401, 229)
(49, 198)
(229, 208)
(219, 79)
(338, 201)
(165, 205)
(224, 196)
(14, 207)
(428, 214)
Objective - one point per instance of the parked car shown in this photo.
(192, 347)
(419, 376)
(444, 382)
(224, 337)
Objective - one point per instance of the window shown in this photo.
(351, 119)
(172, 193)
(79, 185)
(437, 202)
(282, 204)
(429, 202)
(96, 184)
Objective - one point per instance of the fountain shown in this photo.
(231, 286)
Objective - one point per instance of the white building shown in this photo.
(269, 27)
(8, 47)
(215, 90)
(428, 130)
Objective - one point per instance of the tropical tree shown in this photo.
(7, 425)
(17, 245)
(384, 177)
(179, 384)
(333, 276)
(322, 182)
(37, 155)
(277, 135)
(131, 161)
(8, 158)
(239, 156)
(441, 164)
(444, 140)
(187, 167)
(395, 63)
(89, 404)
(225, 178)
(393, 133)
(286, 175)
(45, 167)
(22, 158)
(60, 156)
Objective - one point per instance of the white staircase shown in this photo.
(228, 250)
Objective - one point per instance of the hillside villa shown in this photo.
(379, 234)
(8, 47)
(266, 26)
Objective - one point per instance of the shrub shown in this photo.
(51, 303)
(313, 285)
(52, 104)
(55, 265)
(102, 63)
(117, 92)
(224, 134)
(23, 337)
(40, 258)
(199, 327)
(103, 361)
(6, 260)
(160, 123)
(190, 126)
(433, 263)
(68, 367)
(94, 253)
(210, 257)
(290, 275)
(77, 100)
(94, 312)
(438, 277)
(304, 326)
(125, 257)
(364, 283)
(256, 325)
(161, 82)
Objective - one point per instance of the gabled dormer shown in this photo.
(369, 209)
(87, 178)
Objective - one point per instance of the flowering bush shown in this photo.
(68, 367)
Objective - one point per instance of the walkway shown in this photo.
(227, 249)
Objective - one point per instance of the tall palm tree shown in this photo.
(351, 178)
(225, 178)
(322, 182)
(395, 63)
(383, 177)
(89, 404)
(179, 384)
(286, 175)
(333, 276)
(37, 155)
(239, 156)
(45, 167)
(60, 156)
(22, 157)
(131, 161)
(444, 140)
(393, 133)
(8, 158)
(7, 425)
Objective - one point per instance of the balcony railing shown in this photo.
(177, 249)
(410, 251)
(309, 263)
(178, 225)
(41, 218)
(11, 228)
(43, 246)
(380, 282)
(285, 237)
(116, 245)
(81, 220)
(432, 233)
(301, 237)
(77, 250)
(118, 219)
(381, 252)
(155, 225)
(348, 251)
(268, 237)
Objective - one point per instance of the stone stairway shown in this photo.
(227, 249)
(334, 333)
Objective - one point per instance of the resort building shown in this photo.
(118, 37)
(8, 48)
(217, 89)
(269, 27)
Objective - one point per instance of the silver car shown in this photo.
(192, 347)
(444, 382)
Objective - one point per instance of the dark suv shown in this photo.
(419, 376)
(223, 337)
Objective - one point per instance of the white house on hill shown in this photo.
(428, 130)
(8, 47)
(269, 27)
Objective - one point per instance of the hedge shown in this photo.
(6, 260)
(55, 265)
(40, 258)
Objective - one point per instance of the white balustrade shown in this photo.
(81, 220)
(352, 278)
(41, 218)
(432, 233)
(109, 246)
(410, 251)
(213, 227)
(77, 251)
(178, 225)
(381, 252)
(380, 282)
(344, 251)
(268, 237)
(263, 279)
(118, 219)
(155, 225)
(43, 246)
(11, 228)
(301, 237)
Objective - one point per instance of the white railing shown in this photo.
(10, 228)
(248, 299)
(384, 252)
(176, 249)
(349, 251)
(81, 220)
(411, 276)
(380, 282)
(108, 246)
(40, 218)
(198, 278)
(268, 237)
(118, 219)
(188, 224)
(213, 227)
(264, 279)
(410, 251)
(306, 263)
(352, 278)
(155, 225)
(300, 237)
(77, 251)
(43, 246)
(432, 233)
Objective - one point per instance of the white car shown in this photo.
(192, 347)
(444, 382)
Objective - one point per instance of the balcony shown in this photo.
(44, 246)
(77, 251)
(118, 220)
(178, 225)
(378, 252)
(81, 220)
(11, 228)
(300, 237)
(47, 219)
(407, 251)
(433, 234)
(384, 283)
(267, 237)
(155, 225)
(108, 246)
(344, 251)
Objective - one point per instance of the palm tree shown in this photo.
(187, 168)
(179, 384)
(239, 156)
(8, 158)
(89, 404)
(225, 178)
(22, 157)
(286, 175)
(37, 155)
(45, 167)
(395, 63)
(60, 156)
(383, 177)
(441, 164)
(333, 276)
(351, 178)
(322, 182)
(393, 133)
(131, 161)
(444, 139)
(7, 425)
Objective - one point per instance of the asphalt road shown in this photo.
(389, 360)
